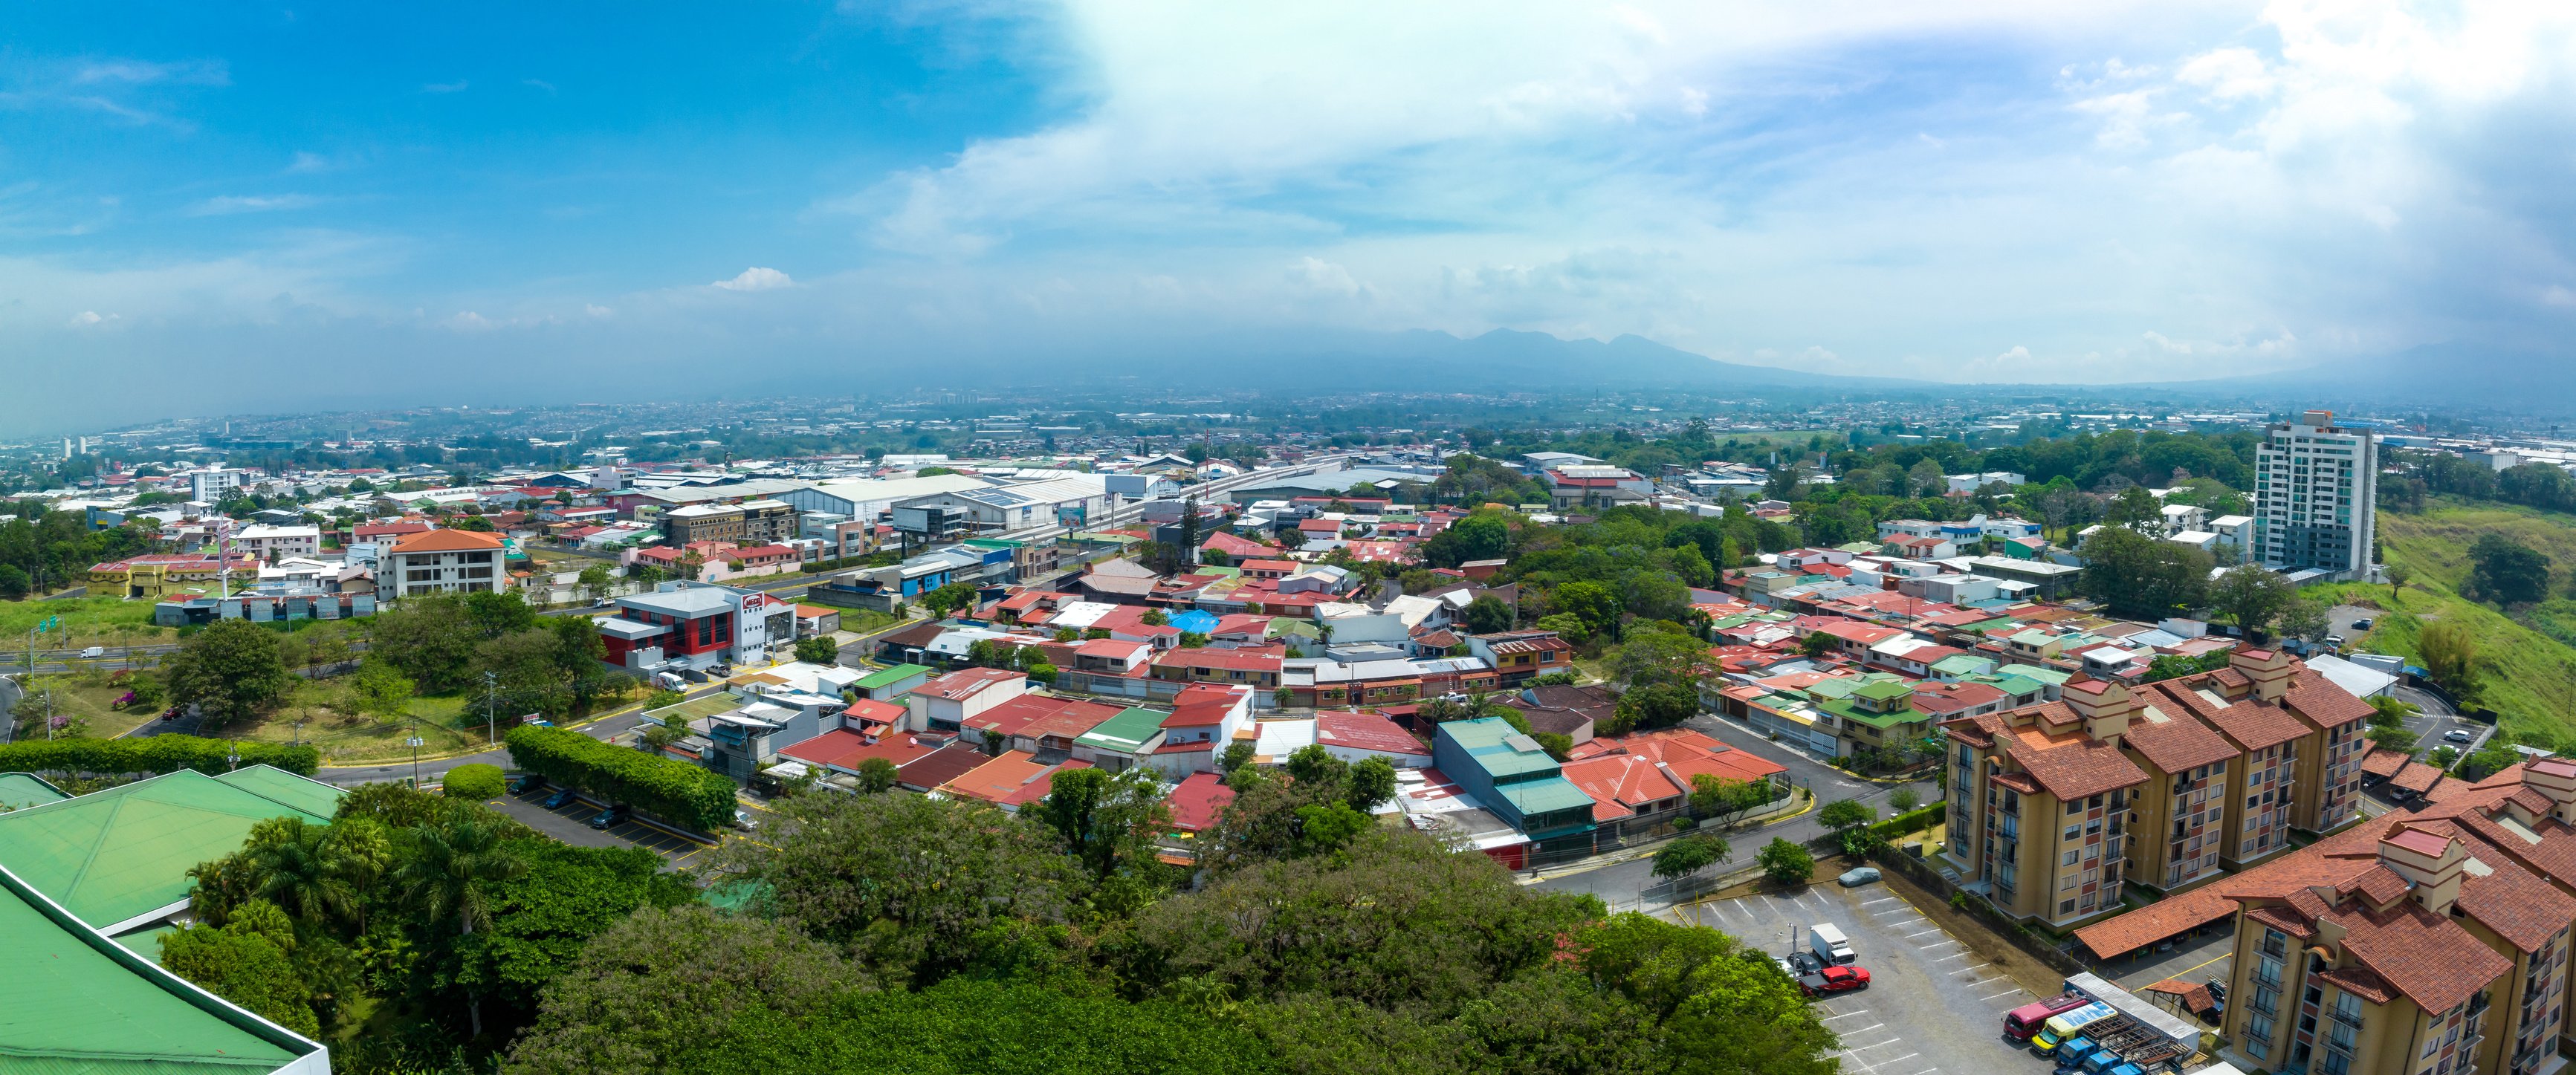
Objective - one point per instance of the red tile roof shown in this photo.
(2257, 725)
(2384, 762)
(2077, 769)
(1198, 801)
(965, 682)
(449, 541)
(940, 766)
(2176, 743)
(1621, 785)
(1366, 731)
(1041, 715)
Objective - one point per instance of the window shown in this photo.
(2069, 860)
(2065, 906)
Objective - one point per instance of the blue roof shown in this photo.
(1194, 622)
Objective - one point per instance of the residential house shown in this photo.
(1574, 712)
(441, 561)
(1520, 656)
(1205, 718)
(1510, 774)
(1011, 781)
(946, 703)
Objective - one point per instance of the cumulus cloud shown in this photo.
(87, 318)
(755, 279)
(2228, 74)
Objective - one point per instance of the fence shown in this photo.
(1722, 824)
(2035, 945)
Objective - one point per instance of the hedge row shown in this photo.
(1909, 822)
(670, 789)
(151, 754)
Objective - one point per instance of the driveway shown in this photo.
(1623, 881)
(1933, 1005)
(570, 824)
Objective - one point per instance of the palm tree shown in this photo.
(309, 875)
(448, 874)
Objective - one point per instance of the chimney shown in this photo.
(2105, 705)
(2269, 669)
(2555, 778)
(2432, 866)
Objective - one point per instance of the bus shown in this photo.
(2065, 1025)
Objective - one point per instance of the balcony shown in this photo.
(2347, 1019)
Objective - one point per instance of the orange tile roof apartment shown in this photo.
(2163, 785)
(2425, 942)
(441, 561)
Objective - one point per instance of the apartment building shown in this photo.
(274, 542)
(2166, 785)
(441, 561)
(752, 522)
(2316, 485)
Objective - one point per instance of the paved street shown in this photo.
(1625, 880)
(570, 824)
(1933, 1005)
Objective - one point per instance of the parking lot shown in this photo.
(570, 824)
(1932, 1006)
(2193, 959)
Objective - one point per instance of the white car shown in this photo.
(95, 651)
(2459, 735)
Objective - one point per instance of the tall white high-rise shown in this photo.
(2316, 491)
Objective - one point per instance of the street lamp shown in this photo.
(232, 755)
(414, 743)
(491, 682)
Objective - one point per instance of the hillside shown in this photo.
(2530, 675)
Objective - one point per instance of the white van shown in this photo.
(1827, 941)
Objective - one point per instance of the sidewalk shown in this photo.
(1647, 848)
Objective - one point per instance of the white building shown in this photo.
(2315, 487)
(213, 484)
(278, 542)
(441, 561)
(1969, 483)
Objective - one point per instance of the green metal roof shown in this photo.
(119, 854)
(19, 791)
(277, 785)
(1881, 721)
(75, 1003)
(889, 676)
(1960, 664)
(1883, 690)
(1545, 795)
(2051, 676)
(1126, 731)
(1487, 741)
(2015, 685)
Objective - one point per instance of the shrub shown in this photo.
(476, 781)
(674, 790)
(1908, 823)
(151, 754)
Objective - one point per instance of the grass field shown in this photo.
(347, 738)
(2530, 676)
(88, 698)
(87, 621)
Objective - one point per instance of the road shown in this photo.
(1624, 880)
(2434, 726)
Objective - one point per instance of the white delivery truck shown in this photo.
(1826, 940)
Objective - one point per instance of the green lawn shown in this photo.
(87, 621)
(2530, 677)
(347, 738)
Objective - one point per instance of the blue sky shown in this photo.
(281, 209)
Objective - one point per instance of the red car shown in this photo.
(1834, 980)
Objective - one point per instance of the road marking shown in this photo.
(1898, 1060)
(1927, 1071)
(1934, 944)
(1954, 955)
(1866, 1029)
(2005, 993)
(1876, 902)
(1844, 1015)
(2197, 966)
(1920, 933)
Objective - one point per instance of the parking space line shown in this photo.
(1866, 1029)
(1844, 1015)
(2005, 993)
(1927, 1071)
(1934, 944)
(1898, 1060)
(1884, 899)
(1954, 955)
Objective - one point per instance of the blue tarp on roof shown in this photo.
(1194, 622)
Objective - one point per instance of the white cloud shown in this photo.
(596, 310)
(2228, 74)
(87, 318)
(144, 73)
(308, 162)
(755, 279)
(228, 205)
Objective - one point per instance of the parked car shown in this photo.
(1858, 876)
(525, 783)
(610, 816)
(1798, 965)
(95, 651)
(560, 799)
(2362, 624)
(2334, 641)
(743, 820)
(2460, 735)
(1834, 980)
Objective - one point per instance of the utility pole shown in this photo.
(414, 743)
(490, 684)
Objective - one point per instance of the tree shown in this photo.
(948, 599)
(1109, 820)
(595, 582)
(246, 961)
(2143, 577)
(476, 782)
(429, 638)
(1590, 602)
(634, 976)
(1045, 673)
(2398, 576)
(1689, 855)
(2303, 619)
(1237, 755)
(1843, 815)
(1649, 658)
(1818, 644)
(2253, 595)
(15, 583)
(819, 649)
(1661, 705)
(1786, 863)
(2506, 571)
(1903, 799)
(2136, 510)
(231, 671)
(494, 614)
(1283, 698)
(448, 876)
(1488, 614)
(2444, 757)
(2450, 651)
(1715, 796)
(2397, 739)
(1567, 626)
(1155, 617)
(1372, 783)
(916, 888)
(2389, 711)
(876, 775)
(380, 689)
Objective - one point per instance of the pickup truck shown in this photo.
(1834, 979)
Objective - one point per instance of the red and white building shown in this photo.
(695, 625)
